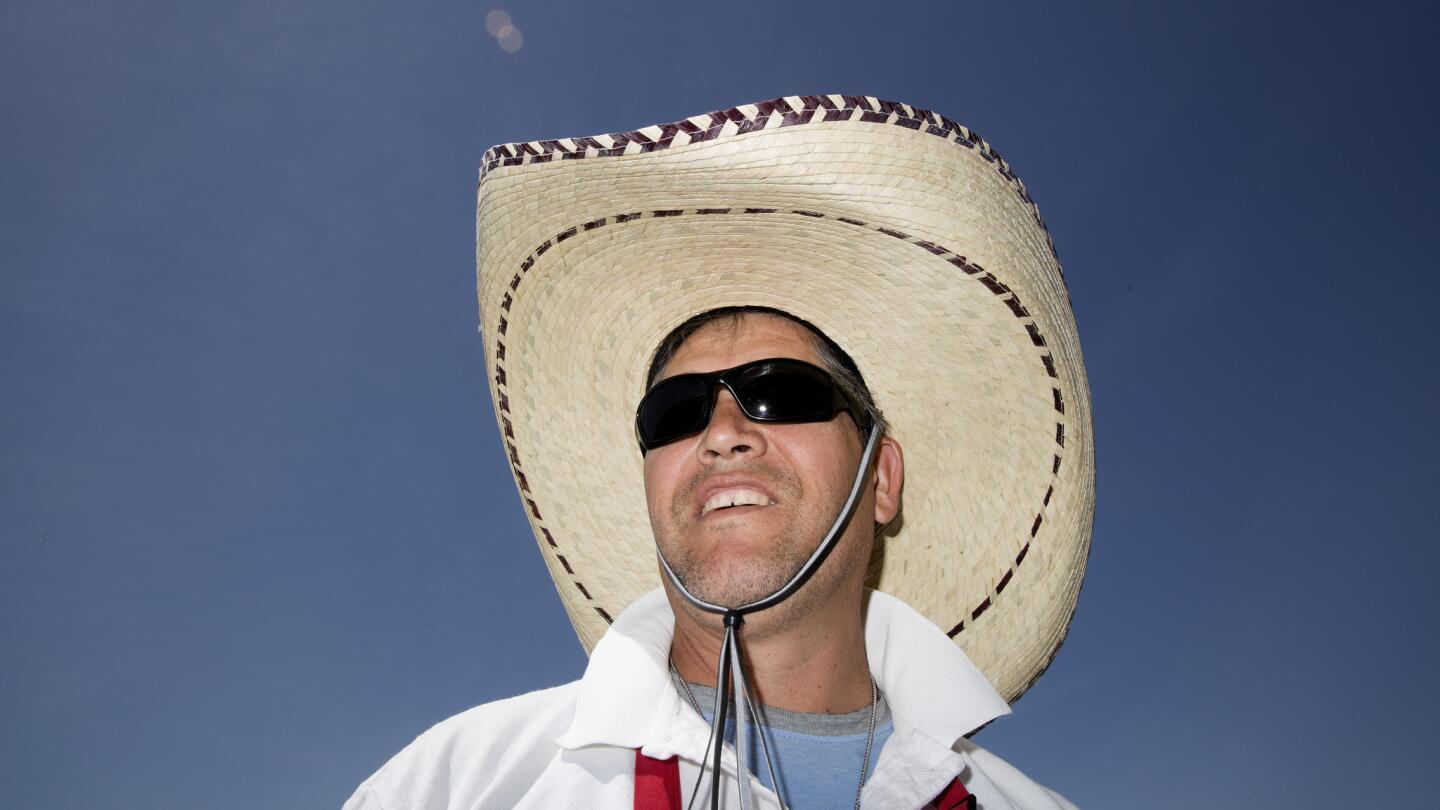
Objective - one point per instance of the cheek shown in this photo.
(661, 473)
(822, 450)
(651, 485)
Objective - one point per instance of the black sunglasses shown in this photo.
(779, 389)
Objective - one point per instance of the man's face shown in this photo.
(789, 480)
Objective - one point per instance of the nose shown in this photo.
(730, 434)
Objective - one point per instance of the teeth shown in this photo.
(734, 497)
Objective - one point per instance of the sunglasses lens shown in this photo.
(787, 395)
(777, 390)
(676, 407)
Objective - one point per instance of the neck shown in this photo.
(812, 663)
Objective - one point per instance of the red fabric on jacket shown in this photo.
(657, 787)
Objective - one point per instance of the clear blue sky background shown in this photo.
(255, 528)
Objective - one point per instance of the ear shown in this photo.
(889, 478)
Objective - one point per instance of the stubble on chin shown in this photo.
(714, 575)
(733, 581)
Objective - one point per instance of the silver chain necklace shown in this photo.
(869, 737)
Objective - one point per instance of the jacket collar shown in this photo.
(626, 697)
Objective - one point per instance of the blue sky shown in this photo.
(256, 532)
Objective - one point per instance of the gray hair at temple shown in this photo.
(839, 364)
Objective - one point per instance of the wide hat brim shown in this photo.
(900, 234)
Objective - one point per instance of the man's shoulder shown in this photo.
(452, 758)
(1009, 781)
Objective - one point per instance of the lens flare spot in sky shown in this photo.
(510, 41)
(495, 20)
(500, 26)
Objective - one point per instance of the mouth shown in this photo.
(735, 500)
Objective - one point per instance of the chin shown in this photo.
(735, 565)
(740, 580)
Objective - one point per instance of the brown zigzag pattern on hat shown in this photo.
(777, 112)
(984, 277)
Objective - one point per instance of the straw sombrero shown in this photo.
(900, 234)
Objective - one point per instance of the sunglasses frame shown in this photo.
(730, 377)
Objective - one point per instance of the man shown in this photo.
(784, 271)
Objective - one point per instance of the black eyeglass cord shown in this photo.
(730, 666)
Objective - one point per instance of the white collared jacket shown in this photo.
(574, 745)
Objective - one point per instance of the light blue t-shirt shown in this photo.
(816, 756)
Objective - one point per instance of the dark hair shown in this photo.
(832, 357)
